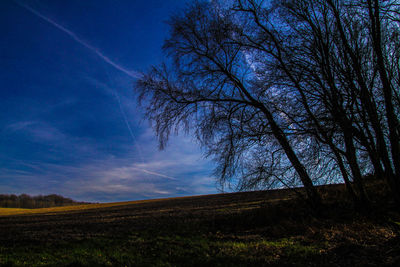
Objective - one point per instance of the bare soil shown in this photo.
(264, 228)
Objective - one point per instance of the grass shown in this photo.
(140, 250)
(244, 229)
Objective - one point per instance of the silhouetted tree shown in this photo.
(31, 202)
(279, 90)
(211, 88)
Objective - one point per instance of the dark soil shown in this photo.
(264, 228)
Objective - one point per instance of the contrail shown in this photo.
(132, 74)
(155, 173)
(106, 59)
(132, 134)
(116, 95)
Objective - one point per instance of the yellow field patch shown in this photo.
(16, 211)
(9, 211)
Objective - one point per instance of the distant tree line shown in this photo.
(32, 202)
(283, 93)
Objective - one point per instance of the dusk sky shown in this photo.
(69, 122)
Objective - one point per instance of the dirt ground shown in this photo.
(241, 229)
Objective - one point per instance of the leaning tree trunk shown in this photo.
(311, 191)
(392, 120)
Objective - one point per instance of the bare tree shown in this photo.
(383, 44)
(282, 92)
(322, 50)
(212, 88)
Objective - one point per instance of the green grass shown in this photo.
(145, 250)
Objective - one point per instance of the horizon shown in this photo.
(70, 122)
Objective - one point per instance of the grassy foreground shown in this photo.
(269, 228)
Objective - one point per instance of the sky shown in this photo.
(69, 121)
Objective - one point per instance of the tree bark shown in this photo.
(392, 120)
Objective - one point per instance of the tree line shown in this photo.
(284, 93)
(32, 202)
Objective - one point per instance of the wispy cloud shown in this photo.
(16, 126)
(178, 171)
(95, 50)
(43, 132)
(154, 173)
(111, 89)
(106, 59)
(39, 131)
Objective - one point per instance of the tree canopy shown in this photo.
(284, 93)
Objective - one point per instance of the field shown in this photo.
(264, 228)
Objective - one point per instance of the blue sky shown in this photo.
(69, 123)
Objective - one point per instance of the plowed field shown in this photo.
(242, 229)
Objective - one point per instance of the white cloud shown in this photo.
(177, 171)
(20, 125)
(37, 130)
(93, 172)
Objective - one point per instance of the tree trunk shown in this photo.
(351, 157)
(392, 178)
(346, 179)
(387, 92)
(311, 191)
